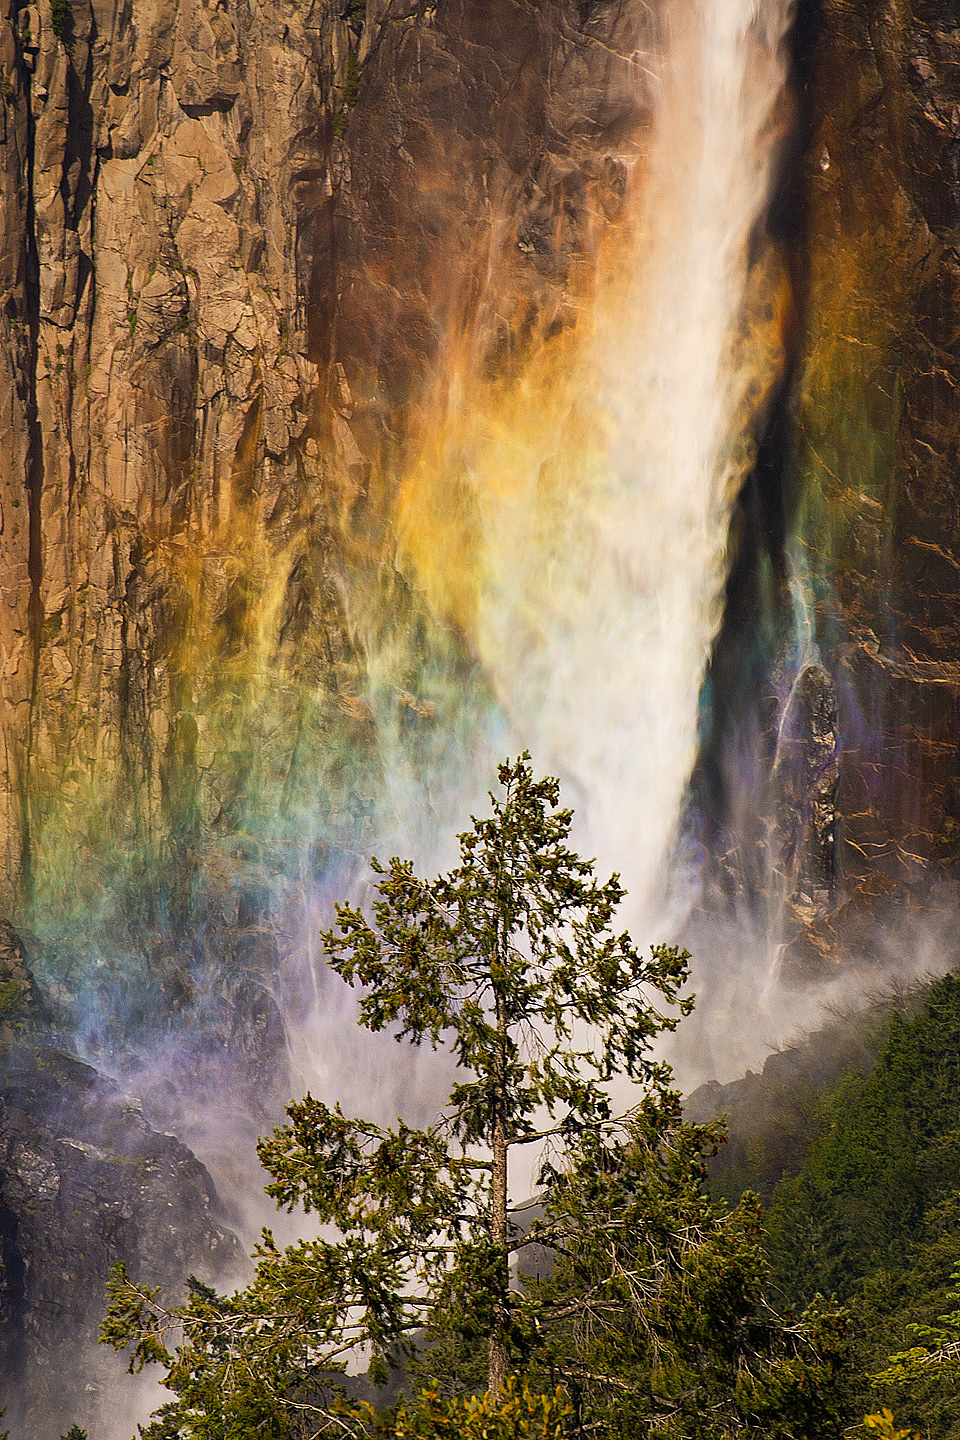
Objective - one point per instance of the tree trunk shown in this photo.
(497, 1372)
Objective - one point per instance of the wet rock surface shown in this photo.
(849, 534)
(85, 1182)
(879, 427)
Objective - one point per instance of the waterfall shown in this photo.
(574, 520)
(602, 487)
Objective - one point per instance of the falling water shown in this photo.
(604, 559)
(592, 546)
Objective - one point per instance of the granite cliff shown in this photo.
(237, 244)
(86, 1182)
(877, 430)
(832, 774)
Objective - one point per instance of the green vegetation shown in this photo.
(351, 80)
(887, 1152)
(60, 10)
(871, 1213)
(881, 1427)
(640, 1307)
(12, 1002)
(517, 1414)
(937, 1353)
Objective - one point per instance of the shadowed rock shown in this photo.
(85, 1182)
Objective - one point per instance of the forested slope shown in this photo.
(862, 1191)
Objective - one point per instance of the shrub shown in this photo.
(61, 18)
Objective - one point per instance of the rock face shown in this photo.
(849, 572)
(878, 425)
(165, 178)
(85, 1182)
(238, 242)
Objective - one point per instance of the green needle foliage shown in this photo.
(871, 1211)
(653, 1310)
(937, 1350)
(657, 1312)
(516, 1414)
(513, 960)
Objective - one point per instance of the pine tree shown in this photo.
(512, 960)
(652, 1317)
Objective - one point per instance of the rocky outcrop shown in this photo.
(166, 179)
(878, 426)
(85, 1182)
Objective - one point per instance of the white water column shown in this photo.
(600, 610)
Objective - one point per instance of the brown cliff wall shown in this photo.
(879, 420)
(166, 177)
(240, 245)
(240, 242)
(848, 580)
